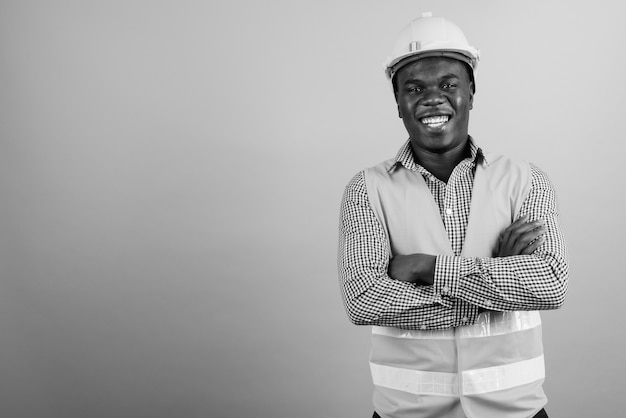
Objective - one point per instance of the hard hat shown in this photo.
(428, 37)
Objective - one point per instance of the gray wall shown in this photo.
(170, 176)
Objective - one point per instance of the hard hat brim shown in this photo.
(459, 56)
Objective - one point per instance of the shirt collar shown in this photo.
(405, 157)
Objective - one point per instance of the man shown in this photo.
(449, 251)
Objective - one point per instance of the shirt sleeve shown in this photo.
(370, 296)
(526, 282)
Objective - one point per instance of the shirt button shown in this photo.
(445, 290)
(448, 211)
(423, 327)
(465, 319)
(488, 302)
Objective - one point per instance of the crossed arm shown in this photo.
(528, 271)
(520, 238)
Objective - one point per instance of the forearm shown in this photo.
(370, 295)
(525, 282)
(374, 298)
(521, 282)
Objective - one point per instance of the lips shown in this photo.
(435, 121)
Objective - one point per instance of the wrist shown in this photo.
(425, 269)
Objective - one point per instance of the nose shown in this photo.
(433, 97)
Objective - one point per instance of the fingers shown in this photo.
(526, 235)
(523, 228)
(514, 229)
(521, 237)
(530, 248)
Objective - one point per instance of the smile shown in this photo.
(435, 121)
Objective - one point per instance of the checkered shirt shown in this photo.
(463, 286)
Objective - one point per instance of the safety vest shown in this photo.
(491, 369)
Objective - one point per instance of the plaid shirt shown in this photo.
(463, 286)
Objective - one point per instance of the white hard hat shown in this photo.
(427, 37)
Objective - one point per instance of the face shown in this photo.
(434, 97)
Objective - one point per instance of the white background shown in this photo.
(170, 178)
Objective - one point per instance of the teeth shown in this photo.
(435, 120)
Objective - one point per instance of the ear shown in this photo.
(471, 98)
(395, 93)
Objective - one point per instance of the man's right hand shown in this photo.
(521, 238)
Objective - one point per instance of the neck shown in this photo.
(441, 164)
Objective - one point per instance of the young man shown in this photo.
(449, 251)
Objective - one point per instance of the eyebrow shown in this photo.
(445, 77)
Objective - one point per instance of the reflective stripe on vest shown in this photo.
(481, 380)
(488, 379)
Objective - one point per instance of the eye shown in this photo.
(413, 89)
(448, 86)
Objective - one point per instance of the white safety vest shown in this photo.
(491, 369)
